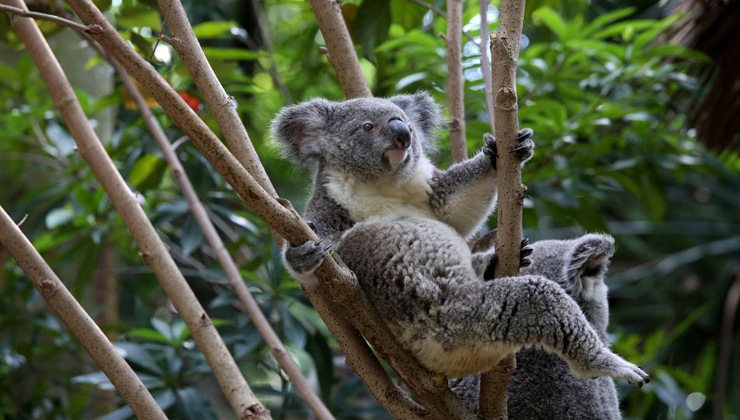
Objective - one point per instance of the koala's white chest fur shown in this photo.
(386, 198)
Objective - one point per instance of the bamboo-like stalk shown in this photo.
(335, 281)
(341, 51)
(235, 387)
(219, 249)
(77, 320)
(456, 81)
(504, 56)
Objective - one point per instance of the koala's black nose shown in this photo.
(401, 133)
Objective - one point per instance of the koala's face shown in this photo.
(575, 264)
(367, 138)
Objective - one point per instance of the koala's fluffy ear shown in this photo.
(423, 111)
(588, 257)
(297, 128)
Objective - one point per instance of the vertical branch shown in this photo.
(214, 240)
(153, 251)
(504, 54)
(77, 320)
(341, 52)
(456, 81)
(484, 62)
(219, 102)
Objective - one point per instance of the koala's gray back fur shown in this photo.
(543, 386)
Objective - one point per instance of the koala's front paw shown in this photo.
(524, 260)
(524, 151)
(302, 260)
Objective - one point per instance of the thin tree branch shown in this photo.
(485, 63)
(159, 38)
(219, 102)
(43, 16)
(341, 53)
(214, 240)
(441, 13)
(725, 353)
(264, 32)
(456, 81)
(236, 389)
(335, 281)
(504, 54)
(78, 321)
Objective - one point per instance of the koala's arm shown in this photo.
(464, 195)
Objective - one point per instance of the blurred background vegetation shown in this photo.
(609, 87)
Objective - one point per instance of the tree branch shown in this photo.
(219, 102)
(153, 251)
(336, 281)
(214, 240)
(78, 321)
(456, 81)
(505, 53)
(341, 51)
(43, 16)
(485, 62)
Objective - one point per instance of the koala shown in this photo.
(401, 225)
(543, 386)
(370, 157)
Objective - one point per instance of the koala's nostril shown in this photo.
(401, 133)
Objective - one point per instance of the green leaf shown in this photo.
(163, 328)
(552, 20)
(407, 14)
(621, 27)
(371, 24)
(215, 29)
(137, 354)
(59, 217)
(191, 237)
(606, 19)
(147, 172)
(143, 44)
(149, 334)
(139, 16)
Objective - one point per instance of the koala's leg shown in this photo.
(464, 195)
(512, 312)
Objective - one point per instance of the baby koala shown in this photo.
(543, 386)
(402, 225)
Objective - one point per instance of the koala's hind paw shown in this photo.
(307, 257)
(610, 364)
(524, 151)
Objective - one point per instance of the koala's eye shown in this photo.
(367, 127)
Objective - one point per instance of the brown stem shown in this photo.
(456, 81)
(214, 240)
(74, 316)
(341, 50)
(153, 251)
(17, 11)
(219, 102)
(484, 62)
(504, 54)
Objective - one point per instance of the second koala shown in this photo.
(542, 386)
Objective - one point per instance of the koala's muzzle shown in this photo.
(401, 133)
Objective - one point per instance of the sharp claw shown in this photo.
(525, 242)
(319, 242)
(520, 149)
(525, 134)
(326, 248)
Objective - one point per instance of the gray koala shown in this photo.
(542, 386)
(402, 225)
(370, 158)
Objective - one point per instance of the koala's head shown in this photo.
(367, 138)
(576, 264)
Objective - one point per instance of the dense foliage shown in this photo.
(606, 95)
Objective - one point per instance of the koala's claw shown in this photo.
(307, 257)
(524, 151)
(524, 254)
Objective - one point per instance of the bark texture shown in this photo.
(504, 56)
(341, 51)
(456, 81)
(153, 251)
(74, 316)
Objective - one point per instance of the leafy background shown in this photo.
(608, 98)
